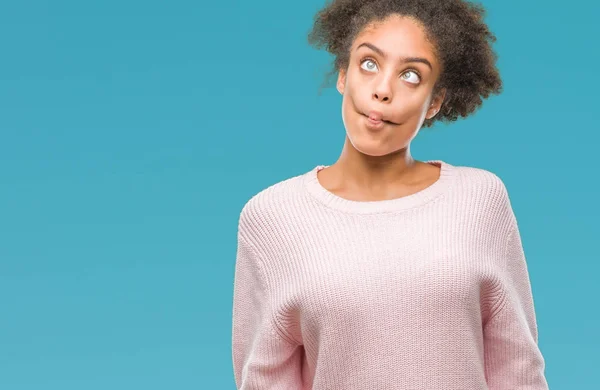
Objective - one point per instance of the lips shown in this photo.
(374, 115)
(377, 117)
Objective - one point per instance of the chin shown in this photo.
(365, 144)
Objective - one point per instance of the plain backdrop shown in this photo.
(133, 132)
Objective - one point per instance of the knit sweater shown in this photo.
(429, 291)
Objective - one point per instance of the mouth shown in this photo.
(382, 120)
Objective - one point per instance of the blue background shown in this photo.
(132, 133)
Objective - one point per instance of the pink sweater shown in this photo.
(426, 292)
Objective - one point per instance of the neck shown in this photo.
(366, 171)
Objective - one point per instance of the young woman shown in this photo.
(380, 271)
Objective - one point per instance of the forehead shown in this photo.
(397, 36)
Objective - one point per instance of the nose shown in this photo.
(381, 96)
(382, 91)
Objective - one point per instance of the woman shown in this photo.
(380, 271)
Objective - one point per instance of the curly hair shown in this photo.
(461, 39)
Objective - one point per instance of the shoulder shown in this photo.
(484, 180)
(269, 206)
(486, 190)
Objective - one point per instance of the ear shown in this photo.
(341, 81)
(436, 103)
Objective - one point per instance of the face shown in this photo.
(380, 79)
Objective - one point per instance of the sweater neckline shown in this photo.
(418, 198)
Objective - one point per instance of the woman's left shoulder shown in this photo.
(484, 187)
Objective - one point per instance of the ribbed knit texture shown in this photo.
(429, 291)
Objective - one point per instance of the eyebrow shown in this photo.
(402, 59)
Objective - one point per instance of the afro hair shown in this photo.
(461, 39)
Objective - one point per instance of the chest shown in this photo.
(404, 274)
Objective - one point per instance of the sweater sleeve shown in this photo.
(513, 359)
(263, 359)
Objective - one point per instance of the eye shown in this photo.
(413, 72)
(368, 60)
(371, 65)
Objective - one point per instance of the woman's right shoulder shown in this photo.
(269, 204)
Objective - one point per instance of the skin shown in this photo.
(377, 165)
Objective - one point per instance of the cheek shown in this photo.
(411, 107)
(346, 109)
(356, 100)
(350, 116)
(350, 103)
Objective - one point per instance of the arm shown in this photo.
(513, 359)
(263, 358)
